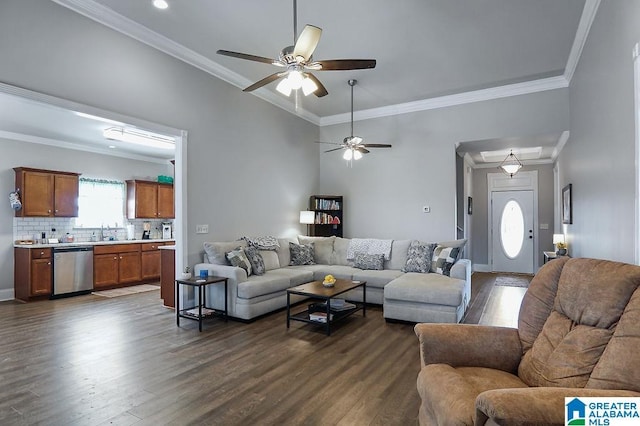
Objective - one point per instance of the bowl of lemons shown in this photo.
(329, 281)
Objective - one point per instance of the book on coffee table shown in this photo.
(320, 316)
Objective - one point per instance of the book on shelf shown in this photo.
(320, 316)
(193, 312)
(337, 305)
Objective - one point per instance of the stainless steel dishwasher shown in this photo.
(72, 270)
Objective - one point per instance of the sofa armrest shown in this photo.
(461, 270)
(234, 273)
(461, 345)
(532, 406)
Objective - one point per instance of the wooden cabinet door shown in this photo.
(129, 267)
(66, 195)
(41, 277)
(37, 194)
(146, 200)
(105, 270)
(150, 261)
(165, 201)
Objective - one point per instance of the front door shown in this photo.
(512, 231)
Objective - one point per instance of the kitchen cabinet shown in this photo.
(149, 200)
(168, 276)
(33, 273)
(47, 193)
(116, 264)
(150, 261)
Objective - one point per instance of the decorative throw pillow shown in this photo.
(368, 261)
(238, 258)
(217, 251)
(443, 259)
(263, 243)
(301, 254)
(256, 260)
(419, 257)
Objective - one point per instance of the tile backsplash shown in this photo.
(25, 228)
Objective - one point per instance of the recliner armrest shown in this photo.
(461, 345)
(532, 406)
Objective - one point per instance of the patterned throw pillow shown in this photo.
(256, 260)
(419, 257)
(301, 254)
(263, 243)
(238, 258)
(368, 261)
(443, 259)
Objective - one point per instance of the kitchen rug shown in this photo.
(125, 291)
(513, 281)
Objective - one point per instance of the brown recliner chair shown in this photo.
(578, 335)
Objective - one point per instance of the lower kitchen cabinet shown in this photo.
(33, 273)
(150, 260)
(116, 264)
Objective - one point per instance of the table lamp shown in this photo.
(307, 217)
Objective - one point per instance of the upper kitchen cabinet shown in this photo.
(149, 200)
(47, 193)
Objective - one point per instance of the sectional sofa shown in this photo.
(407, 296)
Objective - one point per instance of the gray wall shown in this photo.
(480, 216)
(251, 166)
(385, 191)
(599, 158)
(16, 154)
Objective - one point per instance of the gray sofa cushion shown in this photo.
(258, 285)
(399, 249)
(377, 278)
(217, 251)
(322, 247)
(340, 247)
(295, 274)
(432, 288)
(270, 258)
(284, 255)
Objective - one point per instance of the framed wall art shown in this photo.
(567, 207)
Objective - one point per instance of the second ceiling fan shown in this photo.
(353, 145)
(298, 61)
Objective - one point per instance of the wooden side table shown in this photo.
(200, 311)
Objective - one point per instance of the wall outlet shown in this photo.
(426, 209)
(202, 229)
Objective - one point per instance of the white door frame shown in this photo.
(523, 181)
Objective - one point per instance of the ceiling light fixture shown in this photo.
(510, 165)
(297, 80)
(160, 4)
(139, 137)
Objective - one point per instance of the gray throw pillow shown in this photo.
(238, 258)
(256, 260)
(443, 259)
(217, 251)
(368, 261)
(301, 254)
(419, 257)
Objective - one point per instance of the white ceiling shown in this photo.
(426, 50)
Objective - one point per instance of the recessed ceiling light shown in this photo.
(160, 4)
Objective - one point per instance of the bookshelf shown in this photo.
(328, 211)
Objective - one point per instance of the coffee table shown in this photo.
(316, 290)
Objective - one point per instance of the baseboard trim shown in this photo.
(477, 267)
(6, 294)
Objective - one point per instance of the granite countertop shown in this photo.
(91, 243)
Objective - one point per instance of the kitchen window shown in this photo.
(100, 203)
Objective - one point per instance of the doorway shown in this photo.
(512, 231)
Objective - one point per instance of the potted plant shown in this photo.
(187, 273)
(562, 249)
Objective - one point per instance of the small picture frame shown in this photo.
(469, 205)
(567, 206)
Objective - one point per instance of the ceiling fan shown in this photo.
(353, 146)
(298, 61)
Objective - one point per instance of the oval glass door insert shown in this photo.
(512, 229)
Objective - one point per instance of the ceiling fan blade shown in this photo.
(362, 150)
(377, 145)
(307, 42)
(264, 81)
(346, 64)
(245, 56)
(321, 90)
(330, 143)
(334, 149)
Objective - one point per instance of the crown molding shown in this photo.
(130, 28)
(588, 15)
(516, 89)
(562, 140)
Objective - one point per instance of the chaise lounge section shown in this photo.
(405, 296)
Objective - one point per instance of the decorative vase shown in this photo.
(185, 275)
(561, 252)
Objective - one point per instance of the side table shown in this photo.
(200, 311)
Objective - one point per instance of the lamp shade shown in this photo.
(307, 217)
(558, 238)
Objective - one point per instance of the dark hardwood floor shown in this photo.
(90, 360)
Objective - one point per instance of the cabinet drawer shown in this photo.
(116, 248)
(151, 246)
(43, 253)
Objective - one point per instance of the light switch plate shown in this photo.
(202, 229)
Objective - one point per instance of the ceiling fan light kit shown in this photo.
(298, 61)
(510, 165)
